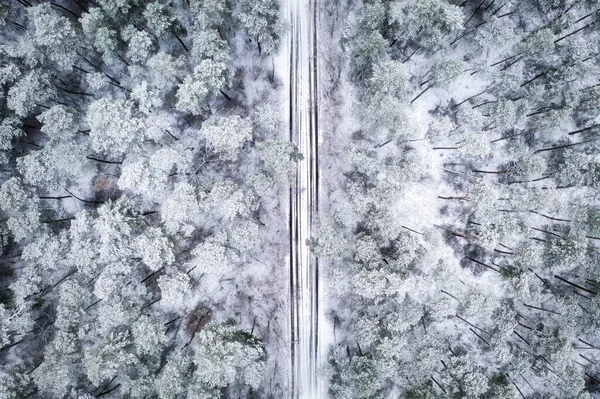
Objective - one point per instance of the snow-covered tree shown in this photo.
(182, 209)
(108, 357)
(429, 20)
(140, 44)
(55, 166)
(389, 78)
(213, 257)
(115, 127)
(196, 90)
(280, 156)
(174, 287)
(60, 122)
(260, 20)
(54, 36)
(14, 383)
(368, 48)
(445, 71)
(226, 200)
(10, 128)
(227, 135)
(222, 355)
(155, 248)
(148, 335)
(355, 377)
(32, 89)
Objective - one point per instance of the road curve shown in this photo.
(304, 271)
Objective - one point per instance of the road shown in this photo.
(304, 273)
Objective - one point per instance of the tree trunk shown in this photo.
(421, 93)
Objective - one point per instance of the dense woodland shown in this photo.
(144, 164)
(460, 231)
(146, 170)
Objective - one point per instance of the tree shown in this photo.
(143, 177)
(28, 284)
(525, 164)
(568, 249)
(97, 81)
(55, 166)
(483, 197)
(327, 243)
(388, 118)
(106, 42)
(539, 44)
(141, 44)
(10, 128)
(464, 377)
(474, 143)
(196, 90)
(509, 114)
(61, 366)
(25, 225)
(280, 156)
(261, 183)
(355, 377)
(213, 257)
(222, 354)
(29, 91)
(366, 251)
(155, 248)
(226, 200)
(19, 202)
(164, 69)
(95, 26)
(116, 225)
(174, 287)
(115, 126)
(494, 35)
(211, 13)
(115, 7)
(208, 44)
(60, 122)
(14, 384)
(445, 71)
(147, 97)
(368, 49)
(46, 251)
(149, 336)
(428, 21)
(388, 78)
(227, 135)
(108, 358)
(244, 236)
(160, 18)
(5, 327)
(260, 20)
(373, 17)
(54, 37)
(174, 376)
(9, 72)
(181, 210)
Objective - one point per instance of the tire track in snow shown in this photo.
(304, 287)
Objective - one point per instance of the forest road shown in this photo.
(304, 273)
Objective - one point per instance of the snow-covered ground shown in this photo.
(304, 286)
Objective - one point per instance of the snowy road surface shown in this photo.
(303, 200)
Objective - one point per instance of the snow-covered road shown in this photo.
(303, 200)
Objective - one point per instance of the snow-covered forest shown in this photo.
(147, 169)
(460, 225)
(144, 179)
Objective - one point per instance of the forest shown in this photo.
(147, 168)
(461, 227)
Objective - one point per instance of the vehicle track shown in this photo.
(304, 273)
